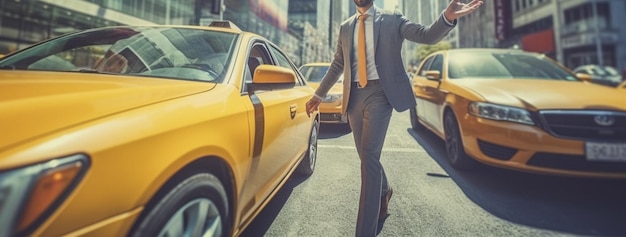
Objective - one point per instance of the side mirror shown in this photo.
(433, 75)
(584, 76)
(270, 77)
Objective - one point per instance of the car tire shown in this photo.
(454, 144)
(415, 123)
(196, 205)
(307, 165)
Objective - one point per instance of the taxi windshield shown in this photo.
(314, 73)
(505, 65)
(178, 53)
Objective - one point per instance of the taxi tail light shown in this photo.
(49, 188)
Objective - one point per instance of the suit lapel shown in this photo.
(377, 23)
(350, 32)
(348, 44)
(349, 36)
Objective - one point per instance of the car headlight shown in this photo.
(499, 112)
(331, 98)
(30, 194)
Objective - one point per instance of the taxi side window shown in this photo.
(437, 64)
(283, 61)
(425, 66)
(258, 56)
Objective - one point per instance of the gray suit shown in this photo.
(369, 109)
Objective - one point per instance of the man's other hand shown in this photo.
(458, 9)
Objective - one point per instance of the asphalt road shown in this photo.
(432, 199)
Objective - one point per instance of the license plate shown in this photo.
(597, 151)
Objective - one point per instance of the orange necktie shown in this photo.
(361, 56)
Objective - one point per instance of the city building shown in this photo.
(340, 11)
(25, 22)
(311, 21)
(425, 13)
(478, 30)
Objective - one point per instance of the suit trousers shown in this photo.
(369, 113)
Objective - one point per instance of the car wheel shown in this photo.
(195, 207)
(415, 123)
(308, 163)
(454, 144)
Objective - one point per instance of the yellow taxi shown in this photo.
(522, 111)
(622, 85)
(331, 106)
(149, 131)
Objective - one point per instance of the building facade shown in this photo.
(573, 32)
(311, 20)
(425, 13)
(25, 22)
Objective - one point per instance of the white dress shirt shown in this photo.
(372, 74)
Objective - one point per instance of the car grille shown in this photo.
(496, 151)
(574, 163)
(585, 124)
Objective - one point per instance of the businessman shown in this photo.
(368, 55)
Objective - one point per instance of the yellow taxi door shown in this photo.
(273, 127)
(429, 97)
(298, 95)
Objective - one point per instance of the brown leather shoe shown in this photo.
(384, 204)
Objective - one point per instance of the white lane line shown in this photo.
(385, 149)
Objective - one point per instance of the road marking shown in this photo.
(385, 149)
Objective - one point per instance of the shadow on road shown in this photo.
(330, 130)
(262, 222)
(581, 206)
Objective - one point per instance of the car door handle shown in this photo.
(292, 110)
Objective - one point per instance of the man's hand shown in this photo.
(458, 9)
(312, 104)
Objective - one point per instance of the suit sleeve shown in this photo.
(335, 70)
(426, 34)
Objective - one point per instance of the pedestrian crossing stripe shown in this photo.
(385, 149)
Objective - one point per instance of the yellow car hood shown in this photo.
(36, 103)
(535, 94)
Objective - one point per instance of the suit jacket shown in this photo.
(391, 28)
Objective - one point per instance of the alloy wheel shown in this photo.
(198, 218)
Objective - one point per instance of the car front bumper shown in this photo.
(117, 225)
(532, 149)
